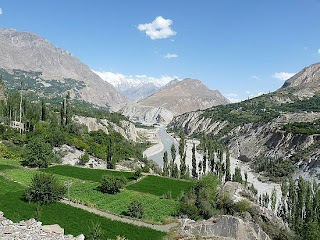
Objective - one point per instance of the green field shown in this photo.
(75, 221)
(24, 176)
(93, 175)
(155, 209)
(160, 186)
(6, 167)
(10, 162)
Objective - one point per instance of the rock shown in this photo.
(55, 228)
(221, 228)
(33, 230)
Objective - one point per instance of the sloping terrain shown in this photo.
(282, 126)
(51, 71)
(174, 99)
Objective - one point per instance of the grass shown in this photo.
(6, 167)
(160, 186)
(75, 221)
(155, 209)
(24, 176)
(12, 162)
(93, 175)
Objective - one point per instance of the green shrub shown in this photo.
(137, 174)
(44, 189)
(38, 153)
(242, 206)
(83, 159)
(135, 209)
(111, 184)
(5, 152)
(189, 210)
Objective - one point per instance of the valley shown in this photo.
(140, 160)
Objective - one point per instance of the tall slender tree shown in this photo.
(173, 152)
(204, 162)
(165, 164)
(194, 162)
(228, 172)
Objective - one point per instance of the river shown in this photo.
(167, 141)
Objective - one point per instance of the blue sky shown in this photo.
(237, 47)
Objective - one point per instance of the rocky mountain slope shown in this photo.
(305, 83)
(47, 69)
(177, 98)
(281, 125)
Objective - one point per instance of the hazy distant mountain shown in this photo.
(47, 69)
(177, 98)
(138, 87)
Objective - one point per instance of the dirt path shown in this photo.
(162, 228)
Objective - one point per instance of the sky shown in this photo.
(242, 48)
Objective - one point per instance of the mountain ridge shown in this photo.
(30, 52)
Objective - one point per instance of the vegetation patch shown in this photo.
(6, 167)
(154, 209)
(75, 221)
(93, 175)
(161, 186)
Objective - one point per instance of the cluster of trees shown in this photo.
(308, 128)
(276, 168)
(36, 126)
(300, 207)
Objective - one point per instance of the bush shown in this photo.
(242, 206)
(111, 184)
(5, 152)
(83, 159)
(189, 210)
(44, 189)
(137, 174)
(135, 209)
(38, 153)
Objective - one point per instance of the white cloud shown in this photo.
(171, 55)
(319, 50)
(1, 11)
(283, 75)
(158, 29)
(122, 82)
(234, 100)
(247, 92)
(255, 77)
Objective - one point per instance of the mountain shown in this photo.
(282, 127)
(141, 91)
(306, 82)
(51, 71)
(177, 98)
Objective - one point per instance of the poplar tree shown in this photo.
(194, 162)
(228, 173)
(173, 152)
(204, 162)
(165, 164)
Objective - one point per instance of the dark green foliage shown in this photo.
(276, 168)
(228, 172)
(160, 186)
(173, 152)
(83, 159)
(135, 209)
(174, 170)
(181, 143)
(73, 220)
(38, 153)
(43, 111)
(94, 175)
(111, 184)
(137, 174)
(201, 200)
(194, 162)
(183, 167)
(237, 177)
(165, 164)
(44, 189)
(308, 128)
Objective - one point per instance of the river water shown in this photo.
(167, 141)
